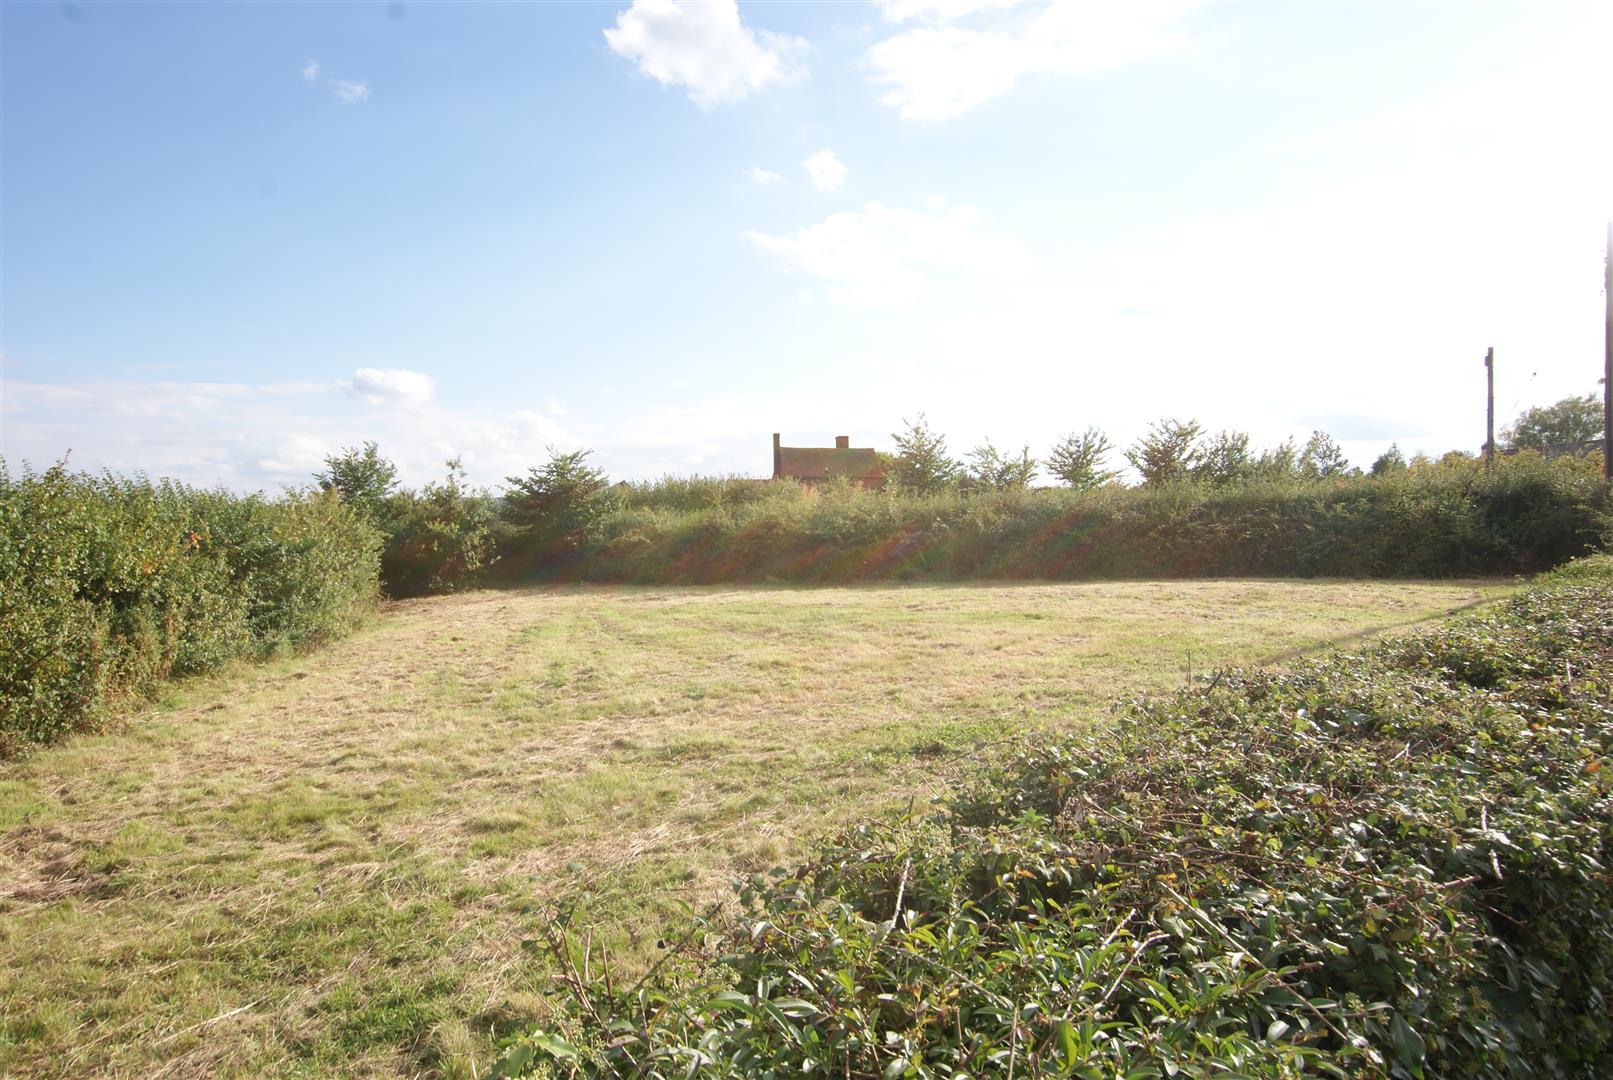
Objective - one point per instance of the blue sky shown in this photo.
(237, 238)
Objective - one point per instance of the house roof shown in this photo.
(821, 463)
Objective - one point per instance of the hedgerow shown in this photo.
(109, 586)
(1391, 862)
(1453, 518)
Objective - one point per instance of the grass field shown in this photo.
(328, 865)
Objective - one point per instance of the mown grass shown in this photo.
(328, 865)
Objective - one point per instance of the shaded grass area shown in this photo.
(329, 864)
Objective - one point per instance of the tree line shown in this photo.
(1173, 450)
(1169, 451)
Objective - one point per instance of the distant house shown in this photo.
(814, 464)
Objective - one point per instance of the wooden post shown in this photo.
(1489, 406)
(1607, 364)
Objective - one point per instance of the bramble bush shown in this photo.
(110, 585)
(1389, 863)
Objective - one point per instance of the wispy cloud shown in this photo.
(353, 91)
(350, 91)
(399, 385)
(257, 436)
(760, 175)
(704, 47)
(964, 52)
(825, 169)
(881, 257)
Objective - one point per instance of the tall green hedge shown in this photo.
(1438, 520)
(109, 585)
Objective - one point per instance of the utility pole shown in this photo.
(1607, 364)
(1489, 406)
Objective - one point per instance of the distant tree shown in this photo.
(1078, 460)
(442, 537)
(1323, 458)
(922, 463)
(1571, 420)
(1390, 461)
(1224, 459)
(1167, 451)
(556, 506)
(990, 468)
(1281, 462)
(362, 477)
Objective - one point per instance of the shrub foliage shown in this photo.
(1436, 520)
(109, 585)
(1388, 863)
(439, 539)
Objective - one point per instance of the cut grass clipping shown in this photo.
(1392, 862)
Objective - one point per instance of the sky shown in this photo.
(237, 238)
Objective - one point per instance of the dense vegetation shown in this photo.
(1207, 504)
(1228, 512)
(1388, 863)
(1573, 421)
(1431, 520)
(108, 586)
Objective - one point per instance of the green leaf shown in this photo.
(730, 999)
(513, 1063)
(1067, 1041)
(1407, 1044)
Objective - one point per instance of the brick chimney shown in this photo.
(778, 459)
(842, 442)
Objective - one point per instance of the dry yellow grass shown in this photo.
(328, 865)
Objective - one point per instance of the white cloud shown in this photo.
(939, 69)
(353, 91)
(939, 10)
(400, 385)
(888, 257)
(702, 46)
(760, 175)
(825, 169)
(538, 429)
(255, 437)
(297, 453)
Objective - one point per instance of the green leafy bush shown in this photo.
(109, 586)
(1389, 863)
(439, 539)
(1456, 518)
(555, 510)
